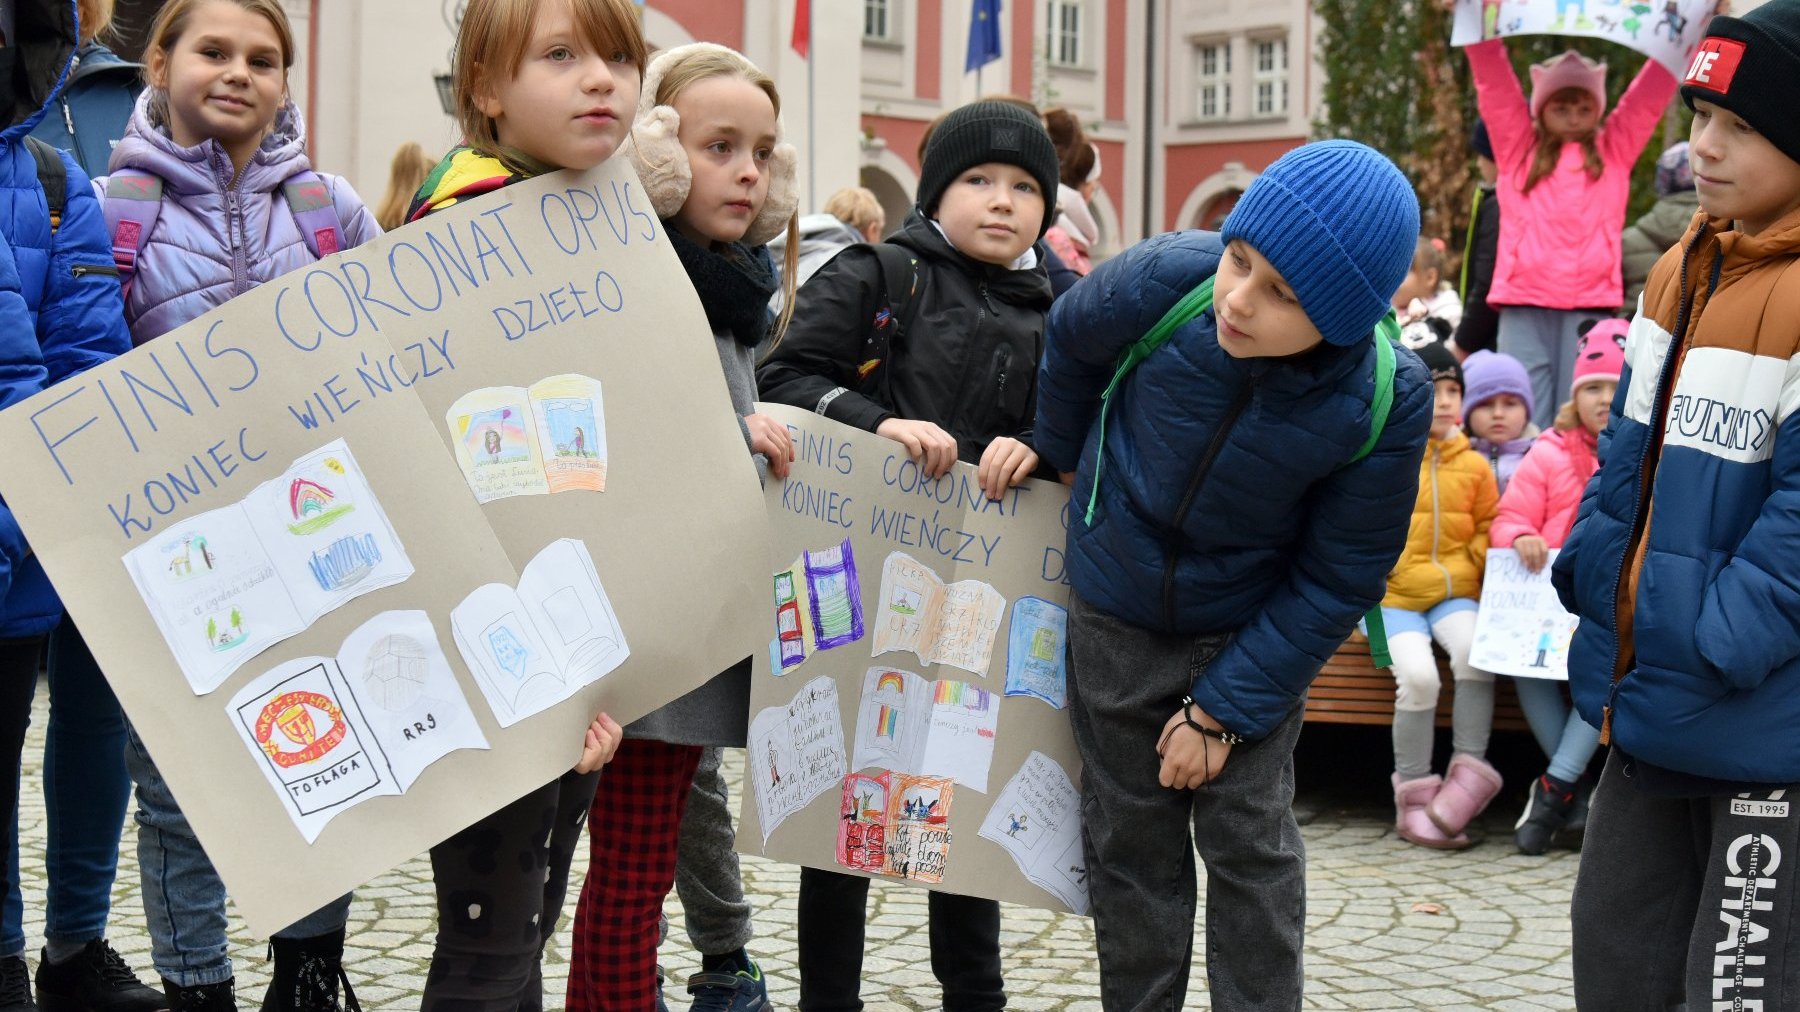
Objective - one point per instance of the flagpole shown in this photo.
(812, 147)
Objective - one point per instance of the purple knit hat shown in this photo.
(1488, 374)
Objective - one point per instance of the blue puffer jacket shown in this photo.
(93, 108)
(21, 375)
(68, 282)
(1225, 504)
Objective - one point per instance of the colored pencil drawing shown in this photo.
(895, 824)
(1521, 628)
(537, 440)
(818, 605)
(227, 584)
(796, 753)
(945, 728)
(536, 645)
(954, 624)
(1036, 650)
(1036, 819)
(862, 823)
(1675, 26)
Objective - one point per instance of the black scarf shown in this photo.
(734, 285)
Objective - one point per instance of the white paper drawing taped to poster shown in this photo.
(1666, 31)
(537, 440)
(332, 732)
(1037, 650)
(910, 725)
(536, 645)
(818, 605)
(1521, 628)
(229, 583)
(953, 625)
(1037, 819)
(796, 752)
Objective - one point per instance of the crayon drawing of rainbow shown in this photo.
(313, 506)
(887, 722)
(891, 680)
(950, 693)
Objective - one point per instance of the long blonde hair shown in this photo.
(405, 175)
(1548, 150)
(171, 23)
(492, 41)
(699, 65)
(96, 17)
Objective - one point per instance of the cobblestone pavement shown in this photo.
(1389, 926)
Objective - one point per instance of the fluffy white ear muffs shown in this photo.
(655, 151)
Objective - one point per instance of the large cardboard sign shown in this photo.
(908, 717)
(1666, 31)
(363, 551)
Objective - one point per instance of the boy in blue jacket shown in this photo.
(1229, 526)
(72, 319)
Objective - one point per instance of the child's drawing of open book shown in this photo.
(535, 646)
(548, 437)
(910, 725)
(818, 605)
(953, 625)
(1037, 820)
(895, 824)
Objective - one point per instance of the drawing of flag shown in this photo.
(802, 37)
(984, 35)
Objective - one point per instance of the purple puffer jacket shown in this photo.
(215, 239)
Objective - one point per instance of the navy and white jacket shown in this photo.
(1227, 502)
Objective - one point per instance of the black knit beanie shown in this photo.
(1441, 363)
(983, 132)
(1749, 65)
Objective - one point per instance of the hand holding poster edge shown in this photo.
(1666, 31)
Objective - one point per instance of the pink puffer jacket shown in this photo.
(1545, 493)
(1560, 243)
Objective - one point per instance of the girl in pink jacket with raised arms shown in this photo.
(1536, 513)
(1565, 175)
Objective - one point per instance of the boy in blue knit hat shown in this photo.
(1232, 519)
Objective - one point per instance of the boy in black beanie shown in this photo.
(1683, 571)
(931, 339)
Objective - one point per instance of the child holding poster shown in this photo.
(1565, 176)
(1431, 595)
(211, 195)
(946, 367)
(1683, 572)
(708, 145)
(1233, 516)
(1536, 513)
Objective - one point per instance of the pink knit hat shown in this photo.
(1570, 70)
(1600, 355)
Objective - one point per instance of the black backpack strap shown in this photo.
(899, 287)
(52, 177)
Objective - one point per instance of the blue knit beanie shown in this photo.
(1339, 221)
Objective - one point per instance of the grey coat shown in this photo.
(1648, 238)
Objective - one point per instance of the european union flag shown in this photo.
(984, 35)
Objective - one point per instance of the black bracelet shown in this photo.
(1187, 714)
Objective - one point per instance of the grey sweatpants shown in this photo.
(1124, 684)
(1544, 340)
(707, 877)
(1687, 903)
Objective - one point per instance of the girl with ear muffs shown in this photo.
(708, 146)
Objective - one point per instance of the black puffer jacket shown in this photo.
(967, 362)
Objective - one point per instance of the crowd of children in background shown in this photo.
(1429, 407)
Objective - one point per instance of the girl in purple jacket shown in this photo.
(203, 207)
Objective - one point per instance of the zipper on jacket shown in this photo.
(83, 270)
(1437, 523)
(68, 120)
(1640, 501)
(1213, 448)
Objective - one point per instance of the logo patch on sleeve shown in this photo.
(1715, 64)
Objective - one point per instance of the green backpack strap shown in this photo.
(1189, 306)
(1387, 334)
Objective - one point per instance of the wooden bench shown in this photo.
(1350, 689)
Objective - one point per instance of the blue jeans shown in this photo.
(184, 900)
(1569, 741)
(85, 789)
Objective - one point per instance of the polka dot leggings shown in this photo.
(500, 887)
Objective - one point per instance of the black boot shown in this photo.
(96, 979)
(220, 997)
(15, 986)
(307, 974)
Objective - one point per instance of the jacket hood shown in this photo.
(1030, 286)
(818, 233)
(1747, 252)
(1453, 445)
(1669, 217)
(34, 66)
(206, 167)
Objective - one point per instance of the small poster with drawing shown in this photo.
(953, 625)
(896, 824)
(1521, 628)
(1037, 820)
(818, 605)
(796, 752)
(1667, 31)
(546, 438)
(1036, 651)
(908, 724)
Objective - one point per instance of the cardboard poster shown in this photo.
(211, 452)
(960, 630)
(1521, 628)
(1666, 31)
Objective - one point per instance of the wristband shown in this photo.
(1187, 706)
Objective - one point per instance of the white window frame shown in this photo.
(1065, 33)
(1212, 80)
(879, 14)
(1269, 76)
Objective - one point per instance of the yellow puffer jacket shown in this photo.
(1446, 547)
